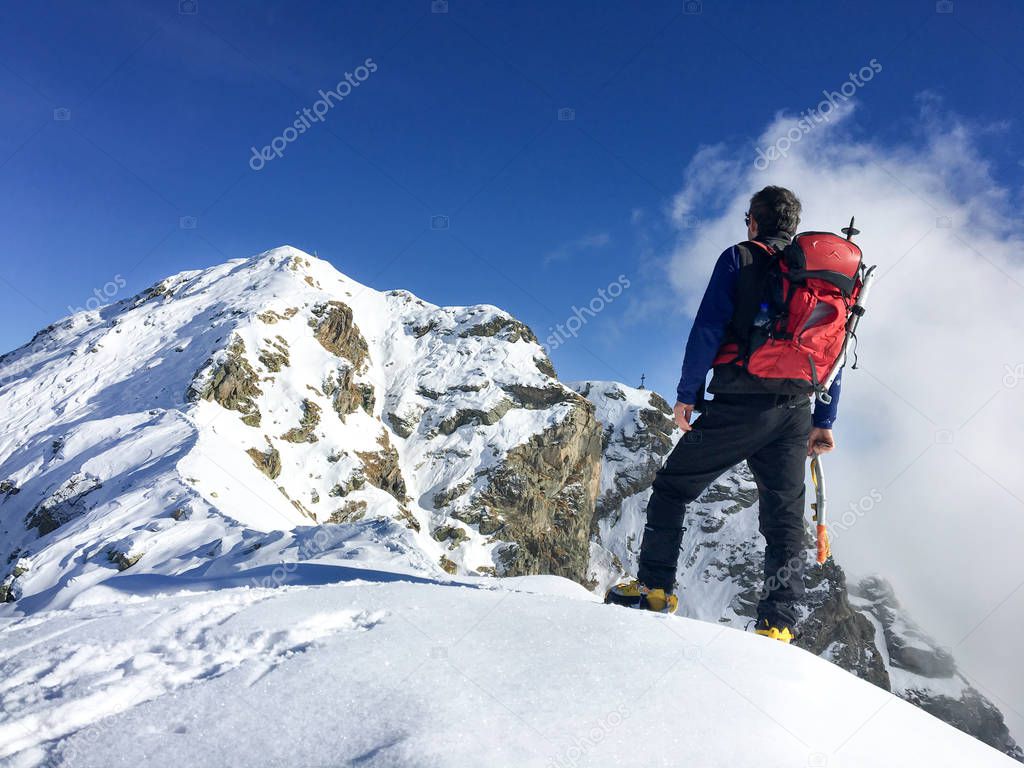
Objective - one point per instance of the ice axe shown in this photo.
(820, 508)
(867, 278)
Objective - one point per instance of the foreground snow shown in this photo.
(393, 669)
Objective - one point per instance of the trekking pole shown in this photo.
(819, 507)
(856, 312)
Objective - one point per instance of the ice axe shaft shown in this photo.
(820, 509)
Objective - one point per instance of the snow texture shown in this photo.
(380, 672)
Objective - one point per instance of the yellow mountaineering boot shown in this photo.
(633, 594)
(782, 634)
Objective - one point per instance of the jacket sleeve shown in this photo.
(709, 326)
(825, 415)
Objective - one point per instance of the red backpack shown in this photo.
(807, 295)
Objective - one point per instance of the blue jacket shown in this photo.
(709, 328)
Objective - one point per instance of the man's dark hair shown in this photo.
(776, 211)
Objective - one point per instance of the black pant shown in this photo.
(772, 437)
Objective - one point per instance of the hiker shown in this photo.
(764, 418)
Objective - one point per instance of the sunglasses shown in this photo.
(746, 218)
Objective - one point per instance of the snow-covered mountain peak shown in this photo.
(220, 409)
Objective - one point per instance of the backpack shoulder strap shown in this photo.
(758, 244)
(749, 250)
(755, 265)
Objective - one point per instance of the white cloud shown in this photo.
(928, 420)
(578, 246)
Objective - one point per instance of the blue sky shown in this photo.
(460, 119)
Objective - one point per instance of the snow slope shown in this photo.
(376, 671)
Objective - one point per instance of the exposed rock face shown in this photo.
(721, 565)
(473, 417)
(836, 630)
(66, 503)
(382, 469)
(274, 355)
(122, 559)
(536, 398)
(908, 646)
(349, 512)
(926, 674)
(347, 396)
(305, 432)
(267, 461)
(232, 383)
(544, 365)
(353, 483)
(454, 535)
(502, 326)
(972, 713)
(633, 451)
(544, 492)
(9, 587)
(336, 331)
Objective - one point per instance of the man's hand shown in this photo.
(682, 412)
(820, 441)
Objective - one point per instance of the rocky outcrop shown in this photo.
(305, 432)
(123, 559)
(274, 356)
(908, 646)
(925, 674)
(639, 448)
(452, 534)
(972, 713)
(268, 461)
(336, 331)
(66, 503)
(381, 468)
(835, 629)
(270, 316)
(9, 587)
(349, 512)
(541, 497)
(474, 416)
(232, 384)
(544, 365)
(505, 327)
(354, 483)
(347, 395)
(403, 426)
(537, 398)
